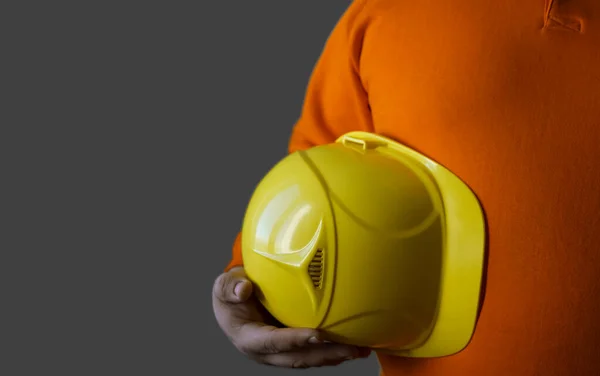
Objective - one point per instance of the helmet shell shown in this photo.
(359, 238)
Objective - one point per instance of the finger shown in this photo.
(315, 356)
(232, 287)
(265, 339)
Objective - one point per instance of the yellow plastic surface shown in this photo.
(371, 242)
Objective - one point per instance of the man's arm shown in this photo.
(335, 102)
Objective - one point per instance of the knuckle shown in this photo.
(269, 347)
(270, 343)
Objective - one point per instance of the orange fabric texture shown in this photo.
(236, 259)
(506, 94)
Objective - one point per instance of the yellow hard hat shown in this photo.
(370, 242)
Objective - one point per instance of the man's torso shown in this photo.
(513, 108)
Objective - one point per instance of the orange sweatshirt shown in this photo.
(506, 94)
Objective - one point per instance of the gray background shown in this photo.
(133, 135)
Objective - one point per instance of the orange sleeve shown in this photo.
(335, 102)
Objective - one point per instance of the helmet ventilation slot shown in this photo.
(315, 269)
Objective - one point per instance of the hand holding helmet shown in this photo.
(255, 333)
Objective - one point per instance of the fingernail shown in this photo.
(237, 289)
(314, 340)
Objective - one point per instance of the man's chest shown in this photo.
(485, 89)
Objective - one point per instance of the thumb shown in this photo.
(232, 287)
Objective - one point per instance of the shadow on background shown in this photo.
(137, 134)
